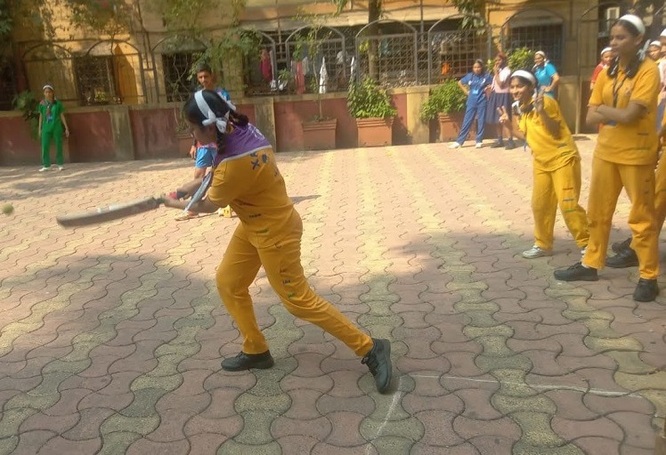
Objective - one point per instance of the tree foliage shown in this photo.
(108, 17)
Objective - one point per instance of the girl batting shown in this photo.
(246, 176)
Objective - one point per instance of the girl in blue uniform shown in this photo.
(474, 85)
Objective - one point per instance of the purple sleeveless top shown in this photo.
(242, 140)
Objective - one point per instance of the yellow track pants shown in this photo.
(282, 263)
(607, 182)
(561, 188)
(660, 192)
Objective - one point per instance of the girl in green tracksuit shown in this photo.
(52, 124)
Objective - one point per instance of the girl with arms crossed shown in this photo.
(624, 102)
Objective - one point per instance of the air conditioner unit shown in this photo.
(612, 13)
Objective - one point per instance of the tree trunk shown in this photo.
(374, 14)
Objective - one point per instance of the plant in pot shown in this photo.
(446, 104)
(371, 106)
(319, 130)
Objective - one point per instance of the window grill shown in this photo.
(454, 52)
(178, 80)
(389, 56)
(547, 38)
(7, 85)
(95, 81)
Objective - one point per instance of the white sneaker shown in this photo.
(45, 168)
(61, 168)
(479, 145)
(455, 145)
(536, 252)
(583, 251)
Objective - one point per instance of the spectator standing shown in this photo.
(546, 74)
(474, 85)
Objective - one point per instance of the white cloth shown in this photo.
(323, 76)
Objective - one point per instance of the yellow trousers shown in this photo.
(561, 188)
(282, 263)
(606, 184)
(660, 192)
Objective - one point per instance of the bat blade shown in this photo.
(109, 213)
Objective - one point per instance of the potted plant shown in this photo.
(184, 137)
(446, 104)
(371, 106)
(319, 130)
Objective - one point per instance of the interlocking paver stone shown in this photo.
(111, 336)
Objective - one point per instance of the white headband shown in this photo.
(49, 87)
(656, 43)
(525, 75)
(211, 118)
(541, 53)
(635, 21)
(604, 50)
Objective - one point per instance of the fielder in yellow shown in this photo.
(246, 176)
(624, 102)
(556, 168)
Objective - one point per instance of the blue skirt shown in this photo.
(496, 101)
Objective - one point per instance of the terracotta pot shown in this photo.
(319, 135)
(449, 125)
(374, 132)
(184, 142)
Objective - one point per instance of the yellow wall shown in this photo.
(264, 14)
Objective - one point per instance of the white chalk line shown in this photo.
(592, 391)
(399, 394)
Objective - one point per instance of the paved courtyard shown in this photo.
(111, 336)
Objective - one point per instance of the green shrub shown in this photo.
(27, 103)
(521, 59)
(368, 100)
(445, 98)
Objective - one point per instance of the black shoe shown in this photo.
(378, 361)
(624, 258)
(577, 273)
(497, 144)
(245, 361)
(619, 246)
(646, 290)
(510, 145)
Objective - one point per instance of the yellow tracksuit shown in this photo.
(660, 192)
(625, 156)
(557, 178)
(269, 234)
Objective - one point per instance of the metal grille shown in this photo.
(7, 85)
(178, 81)
(258, 78)
(94, 78)
(312, 48)
(547, 38)
(390, 56)
(453, 50)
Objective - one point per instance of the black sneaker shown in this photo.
(646, 290)
(497, 144)
(510, 145)
(619, 246)
(245, 361)
(577, 273)
(624, 258)
(378, 361)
